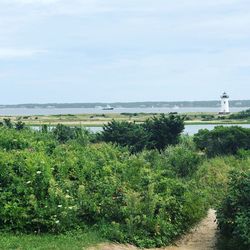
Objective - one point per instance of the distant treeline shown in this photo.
(184, 104)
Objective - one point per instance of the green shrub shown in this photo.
(20, 125)
(147, 199)
(234, 213)
(30, 199)
(125, 134)
(64, 133)
(223, 140)
(212, 178)
(163, 131)
(183, 161)
(155, 133)
(11, 139)
(245, 114)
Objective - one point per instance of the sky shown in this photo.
(123, 50)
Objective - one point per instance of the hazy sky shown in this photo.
(123, 50)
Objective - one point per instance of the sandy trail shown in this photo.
(201, 237)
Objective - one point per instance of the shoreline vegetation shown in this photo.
(99, 120)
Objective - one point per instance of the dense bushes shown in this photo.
(234, 213)
(232, 198)
(183, 161)
(223, 140)
(245, 114)
(64, 134)
(51, 182)
(155, 133)
(125, 134)
(51, 187)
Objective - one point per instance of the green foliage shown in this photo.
(20, 125)
(163, 131)
(155, 133)
(183, 161)
(125, 134)
(52, 187)
(74, 240)
(51, 182)
(241, 115)
(11, 139)
(234, 213)
(7, 123)
(64, 133)
(223, 140)
(212, 177)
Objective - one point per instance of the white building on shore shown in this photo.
(224, 104)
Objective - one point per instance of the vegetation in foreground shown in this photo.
(234, 211)
(74, 240)
(67, 179)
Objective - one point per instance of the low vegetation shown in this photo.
(74, 240)
(140, 184)
(241, 115)
(223, 140)
(234, 212)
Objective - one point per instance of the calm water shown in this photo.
(189, 129)
(64, 111)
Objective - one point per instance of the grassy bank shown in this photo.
(98, 120)
(72, 240)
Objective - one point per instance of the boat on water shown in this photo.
(108, 107)
(176, 107)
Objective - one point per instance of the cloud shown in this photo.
(10, 53)
(37, 2)
(125, 44)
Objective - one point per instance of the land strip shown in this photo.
(98, 120)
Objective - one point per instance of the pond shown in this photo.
(189, 129)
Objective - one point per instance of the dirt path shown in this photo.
(202, 237)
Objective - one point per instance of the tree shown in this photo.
(125, 134)
(7, 123)
(155, 133)
(63, 133)
(223, 140)
(163, 131)
(20, 125)
(45, 128)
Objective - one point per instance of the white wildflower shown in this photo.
(59, 206)
(38, 172)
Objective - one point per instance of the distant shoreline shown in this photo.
(153, 104)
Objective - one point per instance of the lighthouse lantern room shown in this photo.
(224, 104)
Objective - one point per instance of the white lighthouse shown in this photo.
(224, 104)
